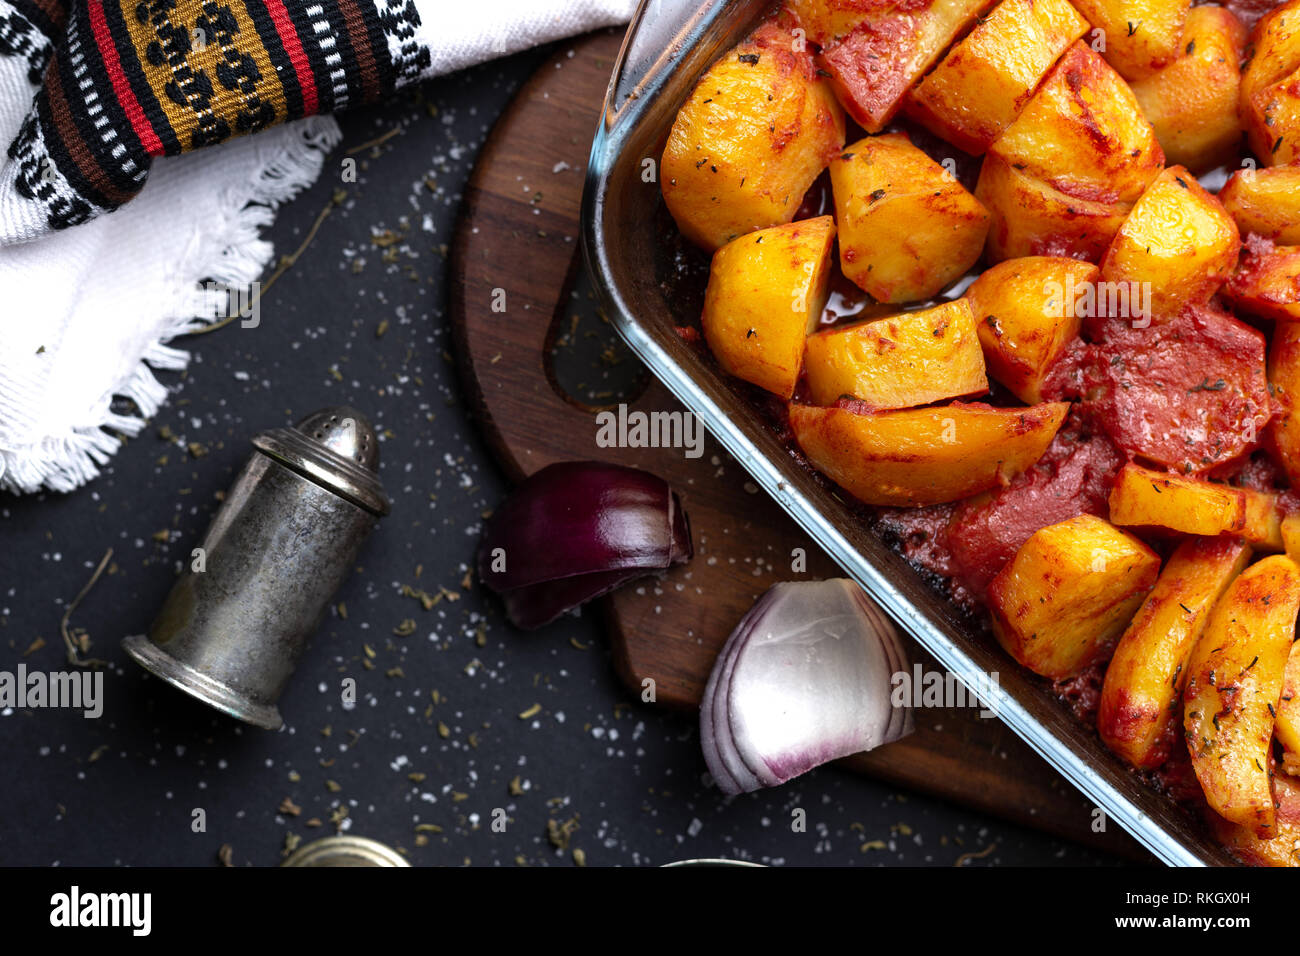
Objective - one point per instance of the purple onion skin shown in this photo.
(577, 530)
(725, 762)
(749, 775)
(710, 743)
(538, 605)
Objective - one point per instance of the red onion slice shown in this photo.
(901, 721)
(804, 679)
(574, 531)
(710, 739)
(728, 768)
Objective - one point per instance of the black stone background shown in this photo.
(626, 779)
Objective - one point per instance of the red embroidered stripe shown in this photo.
(297, 56)
(121, 88)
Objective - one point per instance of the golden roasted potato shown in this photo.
(1284, 382)
(1146, 674)
(1267, 284)
(907, 227)
(1061, 602)
(875, 53)
(898, 362)
(1027, 217)
(1263, 525)
(924, 456)
(1270, 87)
(759, 127)
(1157, 499)
(1274, 48)
(1291, 536)
(1273, 122)
(1177, 237)
(824, 21)
(1025, 315)
(1287, 727)
(1265, 202)
(766, 293)
(1233, 687)
(1192, 101)
(1083, 133)
(981, 86)
(1283, 849)
(1140, 35)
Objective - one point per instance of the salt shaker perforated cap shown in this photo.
(336, 447)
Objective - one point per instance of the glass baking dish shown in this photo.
(668, 45)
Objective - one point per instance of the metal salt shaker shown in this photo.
(234, 625)
(345, 850)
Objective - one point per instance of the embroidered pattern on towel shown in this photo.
(130, 80)
(26, 29)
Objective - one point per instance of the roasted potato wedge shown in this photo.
(924, 456)
(907, 227)
(824, 21)
(1025, 314)
(766, 292)
(1178, 238)
(759, 127)
(1273, 122)
(902, 361)
(1059, 605)
(981, 86)
(1140, 35)
(1234, 683)
(1083, 133)
(1291, 536)
(1287, 727)
(1267, 283)
(876, 53)
(1027, 217)
(1192, 101)
(1270, 87)
(1274, 48)
(1145, 678)
(1156, 499)
(1284, 381)
(1263, 525)
(1265, 202)
(1281, 849)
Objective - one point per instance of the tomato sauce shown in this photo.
(921, 536)
(1073, 477)
(1082, 692)
(961, 546)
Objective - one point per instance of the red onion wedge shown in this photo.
(725, 763)
(576, 530)
(805, 678)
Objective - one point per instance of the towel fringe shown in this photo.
(234, 258)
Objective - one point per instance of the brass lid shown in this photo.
(345, 851)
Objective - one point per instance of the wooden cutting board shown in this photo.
(514, 264)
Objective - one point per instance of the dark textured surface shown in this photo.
(622, 780)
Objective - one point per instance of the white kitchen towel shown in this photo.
(87, 311)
